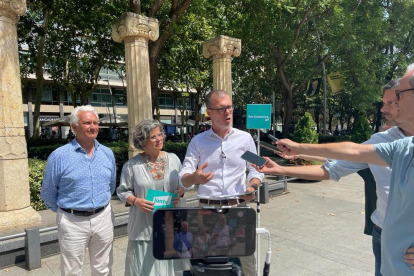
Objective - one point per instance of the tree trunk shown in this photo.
(153, 61)
(288, 110)
(197, 107)
(39, 75)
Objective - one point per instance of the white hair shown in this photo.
(411, 77)
(74, 119)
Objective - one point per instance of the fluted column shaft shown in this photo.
(135, 30)
(15, 207)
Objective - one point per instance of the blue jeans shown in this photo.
(376, 248)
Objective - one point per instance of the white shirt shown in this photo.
(223, 157)
(382, 175)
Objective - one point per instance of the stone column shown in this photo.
(221, 48)
(135, 30)
(15, 207)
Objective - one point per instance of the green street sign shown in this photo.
(258, 116)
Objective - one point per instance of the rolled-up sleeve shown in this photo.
(50, 184)
(340, 168)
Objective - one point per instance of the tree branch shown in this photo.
(155, 8)
(135, 6)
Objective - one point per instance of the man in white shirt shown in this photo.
(213, 160)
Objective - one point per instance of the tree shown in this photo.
(71, 41)
(305, 130)
(33, 31)
(182, 66)
(362, 130)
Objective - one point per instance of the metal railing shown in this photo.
(188, 200)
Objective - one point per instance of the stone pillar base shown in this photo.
(18, 218)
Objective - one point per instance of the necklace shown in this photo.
(156, 168)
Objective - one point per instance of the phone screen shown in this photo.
(196, 233)
(254, 158)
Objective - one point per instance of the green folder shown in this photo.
(161, 199)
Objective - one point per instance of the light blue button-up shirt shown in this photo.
(382, 175)
(72, 180)
(398, 231)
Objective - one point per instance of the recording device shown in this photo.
(254, 159)
(203, 233)
(269, 146)
(273, 138)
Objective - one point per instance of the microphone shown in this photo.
(223, 155)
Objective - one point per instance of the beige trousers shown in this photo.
(77, 233)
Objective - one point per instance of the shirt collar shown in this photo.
(213, 134)
(77, 146)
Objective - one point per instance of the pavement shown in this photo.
(316, 229)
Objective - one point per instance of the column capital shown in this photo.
(222, 45)
(10, 10)
(132, 24)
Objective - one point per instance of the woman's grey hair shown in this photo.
(219, 93)
(74, 119)
(142, 132)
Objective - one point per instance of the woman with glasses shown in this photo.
(151, 169)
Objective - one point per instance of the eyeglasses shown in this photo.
(159, 136)
(398, 92)
(221, 110)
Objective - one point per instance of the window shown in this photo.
(101, 97)
(166, 101)
(180, 103)
(120, 97)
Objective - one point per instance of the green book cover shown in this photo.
(161, 199)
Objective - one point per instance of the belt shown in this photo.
(234, 201)
(86, 213)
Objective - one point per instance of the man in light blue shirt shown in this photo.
(335, 169)
(78, 183)
(398, 229)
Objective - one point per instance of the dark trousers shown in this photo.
(376, 248)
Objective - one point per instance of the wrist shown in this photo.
(133, 202)
(254, 186)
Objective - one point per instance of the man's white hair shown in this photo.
(411, 77)
(74, 119)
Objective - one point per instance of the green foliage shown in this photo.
(36, 169)
(362, 130)
(42, 152)
(178, 148)
(305, 130)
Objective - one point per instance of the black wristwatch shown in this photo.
(255, 187)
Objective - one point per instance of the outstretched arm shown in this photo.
(314, 172)
(302, 156)
(344, 151)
